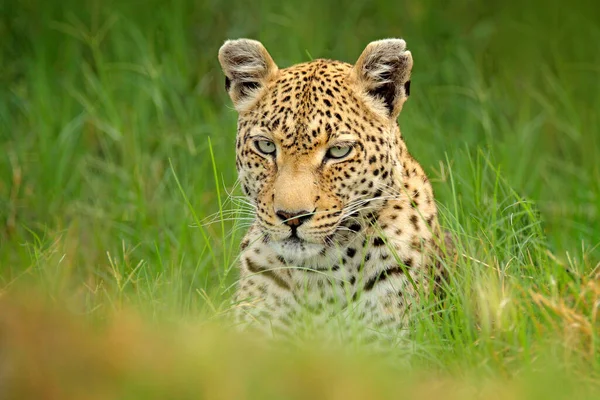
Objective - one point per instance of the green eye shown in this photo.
(339, 151)
(265, 146)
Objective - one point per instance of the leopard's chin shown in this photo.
(296, 251)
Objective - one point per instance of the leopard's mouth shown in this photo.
(296, 250)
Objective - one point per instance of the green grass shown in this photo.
(118, 149)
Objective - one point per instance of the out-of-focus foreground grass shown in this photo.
(118, 234)
(48, 354)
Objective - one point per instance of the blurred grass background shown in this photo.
(117, 148)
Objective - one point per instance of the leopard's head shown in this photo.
(317, 143)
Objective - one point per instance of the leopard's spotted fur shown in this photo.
(356, 235)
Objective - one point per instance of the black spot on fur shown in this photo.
(257, 269)
(414, 220)
(382, 276)
(372, 218)
(430, 221)
(354, 227)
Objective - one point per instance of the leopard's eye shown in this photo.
(338, 152)
(265, 146)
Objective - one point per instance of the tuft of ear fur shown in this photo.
(248, 67)
(382, 73)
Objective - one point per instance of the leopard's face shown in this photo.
(315, 153)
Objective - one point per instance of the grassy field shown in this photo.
(119, 223)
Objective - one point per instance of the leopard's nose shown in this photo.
(294, 219)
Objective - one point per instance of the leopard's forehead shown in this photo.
(309, 104)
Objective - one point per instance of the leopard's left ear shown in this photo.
(248, 67)
(382, 74)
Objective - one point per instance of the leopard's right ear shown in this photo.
(248, 67)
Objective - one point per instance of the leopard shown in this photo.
(345, 230)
